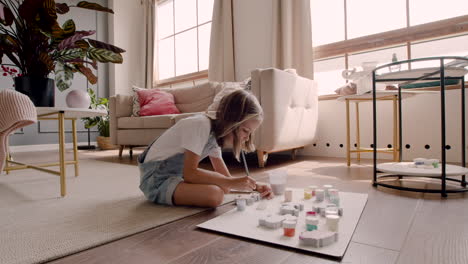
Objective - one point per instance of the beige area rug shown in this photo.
(101, 205)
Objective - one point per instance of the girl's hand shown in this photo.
(264, 190)
(242, 183)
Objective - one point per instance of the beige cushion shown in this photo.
(194, 98)
(227, 88)
(179, 117)
(123, 104)
(159, 121)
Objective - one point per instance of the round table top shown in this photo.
(70, 112)
(404, 168)
(379, 94)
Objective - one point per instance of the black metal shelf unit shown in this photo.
(454, 70)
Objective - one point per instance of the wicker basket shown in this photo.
(104, 143)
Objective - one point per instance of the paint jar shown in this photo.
(326, 188)
(332, 222)
(311, 223)
(311, 213)
(335, 199)
(307, 193)
(434, 163)
(312, 189)
(331, 211)
(278, 181)
(289, 228)
(241, 203)
(288, 195)
(319, 195)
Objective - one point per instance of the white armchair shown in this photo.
(290, 105)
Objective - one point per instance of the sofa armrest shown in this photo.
(290, 105)
(119, 106)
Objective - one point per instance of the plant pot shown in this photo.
(104, 143)
(40, 90)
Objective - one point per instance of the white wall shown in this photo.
(421, 126)
(125, 31)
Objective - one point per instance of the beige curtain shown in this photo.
(222, 66)
(292, 36)
(149, 45)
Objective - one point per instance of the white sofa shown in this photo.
(290, 105)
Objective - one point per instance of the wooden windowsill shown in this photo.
(432, 89)
(183, 78)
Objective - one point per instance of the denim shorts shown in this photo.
(159, 178)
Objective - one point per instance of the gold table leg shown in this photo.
(348, 147)
(75, 147)
(358, 134)
(61, 123)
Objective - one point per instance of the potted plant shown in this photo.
(102, 122)
(36, 45)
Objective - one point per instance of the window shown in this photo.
(347, 30)
(183, 36)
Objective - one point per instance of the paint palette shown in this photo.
(247, 223)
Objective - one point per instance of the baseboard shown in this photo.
(43, 147)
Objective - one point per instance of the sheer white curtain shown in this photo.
(148, 44)
(292, 36)
(222, 66)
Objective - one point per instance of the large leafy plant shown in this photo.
(33, 40)
(102, 122)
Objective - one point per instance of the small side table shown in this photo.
(60, 114)
(367, 97)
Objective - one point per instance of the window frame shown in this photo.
(185, 77)
(451, 27)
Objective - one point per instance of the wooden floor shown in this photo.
(395, 227)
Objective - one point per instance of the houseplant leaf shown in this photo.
(102, 45)
(7, 18)
(69, 27)
(62, 8)
(82, 44)
(70, 41)
(103, 55)
(88, 73)
(94, 6)
(69, 54)
(63, 76)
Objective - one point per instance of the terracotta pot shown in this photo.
(104, 143)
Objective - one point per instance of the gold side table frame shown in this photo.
(58, 115)
(394, 150)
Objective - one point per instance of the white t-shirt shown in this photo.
(191, 133)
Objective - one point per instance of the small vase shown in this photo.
(40, 90)
(78, 99)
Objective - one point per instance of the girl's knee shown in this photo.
(216, 196)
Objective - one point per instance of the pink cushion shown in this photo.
(156, 102)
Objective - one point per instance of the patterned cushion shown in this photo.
(136, 100)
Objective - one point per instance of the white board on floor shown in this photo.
(245, 223)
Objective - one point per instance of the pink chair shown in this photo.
(17, 111)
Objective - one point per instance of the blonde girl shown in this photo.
(169, 167)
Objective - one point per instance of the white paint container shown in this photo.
(288, 195)
(241, 203)
(327, 187)
(332, 222)
(312, 189)
(319, 195)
